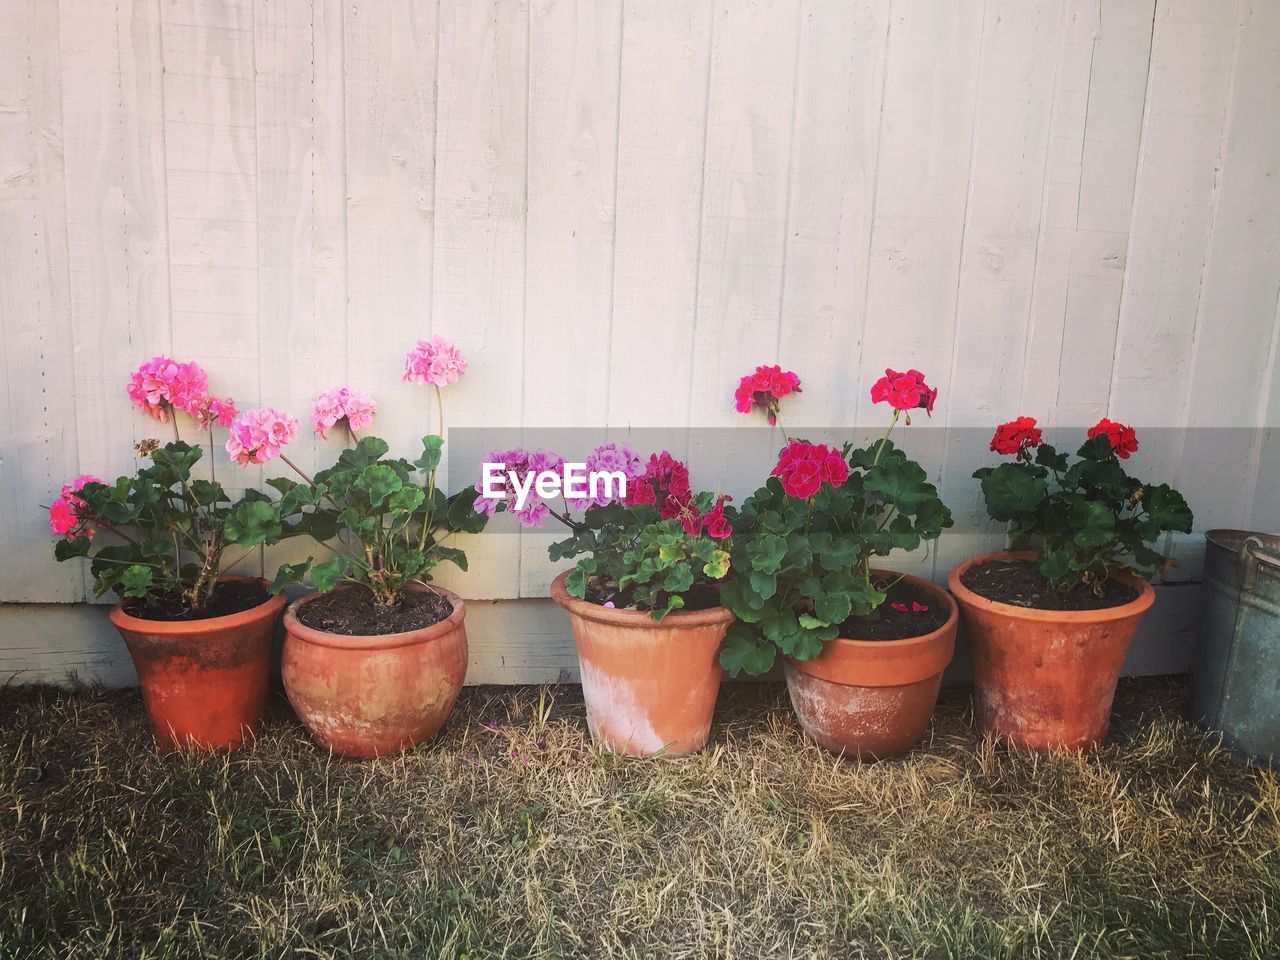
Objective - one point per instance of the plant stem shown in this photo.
(298, 470)
(431, 480)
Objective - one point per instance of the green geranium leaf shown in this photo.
(135, 581)
(744, 652)
(67, 549)
(1094, 524)
(406, 500)
(379, 481)
(1011, 490)
(1165, 509)
(329, 573)
(252, 523)
(766, 553)
(432, 448)
(288, 573)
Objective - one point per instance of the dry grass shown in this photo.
(511, 836)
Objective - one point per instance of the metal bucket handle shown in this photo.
(1252, 555)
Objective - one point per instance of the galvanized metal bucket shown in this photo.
(1237, 671)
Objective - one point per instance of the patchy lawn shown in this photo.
(511, 836)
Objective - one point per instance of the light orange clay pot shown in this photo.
(204, 682)
(650, 688)
(367, 696)
(1045, 678)
(872, 699)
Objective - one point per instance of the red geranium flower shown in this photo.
(804, 467)
(665, 482)
(1016, 436)
(904, 391)
(765, 389)
(715, 522)
(1124, 440)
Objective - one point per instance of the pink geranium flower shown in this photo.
(213, 410)
(436, 361)
(609, 458)
(162, 384)
(804, 467)
(343, 404)
(904, 391)
(67, 514)
(765, 389)
(521, 462)
(259, 435)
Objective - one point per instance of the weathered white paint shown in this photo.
(1065, 208)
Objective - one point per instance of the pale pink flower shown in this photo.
(609, 458)
(436, 361)
(257, 436)
(211, 410)
(162, 384)
(66, 515)
(334, 406)
(522, 463)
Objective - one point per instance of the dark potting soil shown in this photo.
(887, 622)
(1020, 583)
(703, 596)
(352, 613)
(233, 596)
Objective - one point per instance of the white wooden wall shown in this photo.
(1063, 208)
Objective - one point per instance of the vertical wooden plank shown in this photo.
(36, 393)
(921, 189)
(113, 108)
(1084, 238)
(835, 144)
(301, 222)
(210, 130)
(661, 132)
(1020, 46)
(931, 82)
(741, 256)
(574, 63)
(390, 89)
(1235, 329)
(479, 263)
(1193, 51)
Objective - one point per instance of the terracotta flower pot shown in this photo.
(872, 699)
(650, 687)
(1045, 678)
(366, 696)
(204, 682)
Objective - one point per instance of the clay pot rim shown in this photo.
(636, 619)
(385, 641)
(1135, 607)
(888, 662)
(192, 628)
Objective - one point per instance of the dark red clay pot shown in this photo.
(650, 688)
(204, 682)
(872, 699)
(1045, 679)
(367, 696)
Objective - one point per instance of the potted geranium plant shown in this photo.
(1050, 621)
(159, 540)
(374, 661)
(642, 598)
(864, 648)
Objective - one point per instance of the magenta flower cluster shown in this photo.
(520, 463)
(435, 361)
(65, 514)
(342, 404)
(162, 385)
